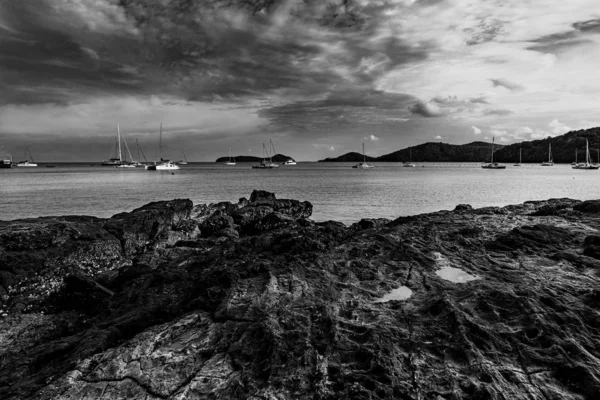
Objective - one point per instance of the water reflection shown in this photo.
(402, 293)
(449, 273)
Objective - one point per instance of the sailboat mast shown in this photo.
(520, 151)
(492, 160)
(160, 142)
(119, 142)
(364, 158)
(229, 153)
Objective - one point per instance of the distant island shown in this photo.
(275, 158)
(563, 150)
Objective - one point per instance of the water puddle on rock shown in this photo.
(452, 274)
(402, 293)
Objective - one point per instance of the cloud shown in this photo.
(498, 132)
(427, 110)
(476, 130)
(371, 138)
(324, 146)
(592, 25)
(438, 137)
(505, 83)
(558, 128)
(497, 112)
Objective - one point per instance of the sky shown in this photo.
(319, 77)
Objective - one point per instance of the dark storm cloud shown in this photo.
(497, 112)
(505, 83)
(63, 51)
(428, 110)
(563, 41)
(340, 108)
(592, 25)
(41, 61)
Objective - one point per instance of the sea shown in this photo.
(337, 191)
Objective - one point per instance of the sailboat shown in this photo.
(119, 160)
(588, 161)
(549, 163)
(230, 161)
(264, 164)
(519, 163)
(124, 162)
(492, 164)
(184, 161)
(165, 165)
(363, 164)
(290, 161)
(409, 162)
(27, 163)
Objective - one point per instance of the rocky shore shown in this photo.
(253, 300)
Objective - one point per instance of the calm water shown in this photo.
(337, 191)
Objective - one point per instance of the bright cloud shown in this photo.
(476, 130)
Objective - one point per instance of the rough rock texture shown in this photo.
(253, 300)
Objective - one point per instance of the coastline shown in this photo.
(255, 299)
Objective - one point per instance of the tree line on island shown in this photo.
(563, 150)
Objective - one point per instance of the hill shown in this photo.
(276, 158)
(352, 156)
(563, 148)
(536, 151)
(431, 151)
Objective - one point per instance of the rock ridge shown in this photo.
(254, 300)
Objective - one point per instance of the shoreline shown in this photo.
(255, 299)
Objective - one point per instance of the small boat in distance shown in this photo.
(409, 162)
(363, 164)
(519, 163)
(291, 161)
(165, 165)
(549, 163)
(6, 162)
(230, 161)
(264, 164)
(182, 162)
(588, 161)
(119, 159)
(28, 157)
(492, 164)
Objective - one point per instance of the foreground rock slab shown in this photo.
(253, 300)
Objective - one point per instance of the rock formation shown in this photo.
(253, 300)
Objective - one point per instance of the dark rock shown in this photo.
(588, 207)
(293, 309)
(138, 229)
(215, 223)
(463, 207)
(591, 246)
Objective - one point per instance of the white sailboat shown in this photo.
(230, 161)
(519, 163)
(363, 164)
(492, 164)
(182, 162)
(124, 162)
(264, 164)
(118, 160)
(165, 165)
(291, 161)
(409, 162)
(549, 163)
(27, 163)
(588, 161)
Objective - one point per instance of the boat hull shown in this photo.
(5, 164)
(363, 166)
(493, 166)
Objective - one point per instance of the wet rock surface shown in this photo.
(253, 300)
